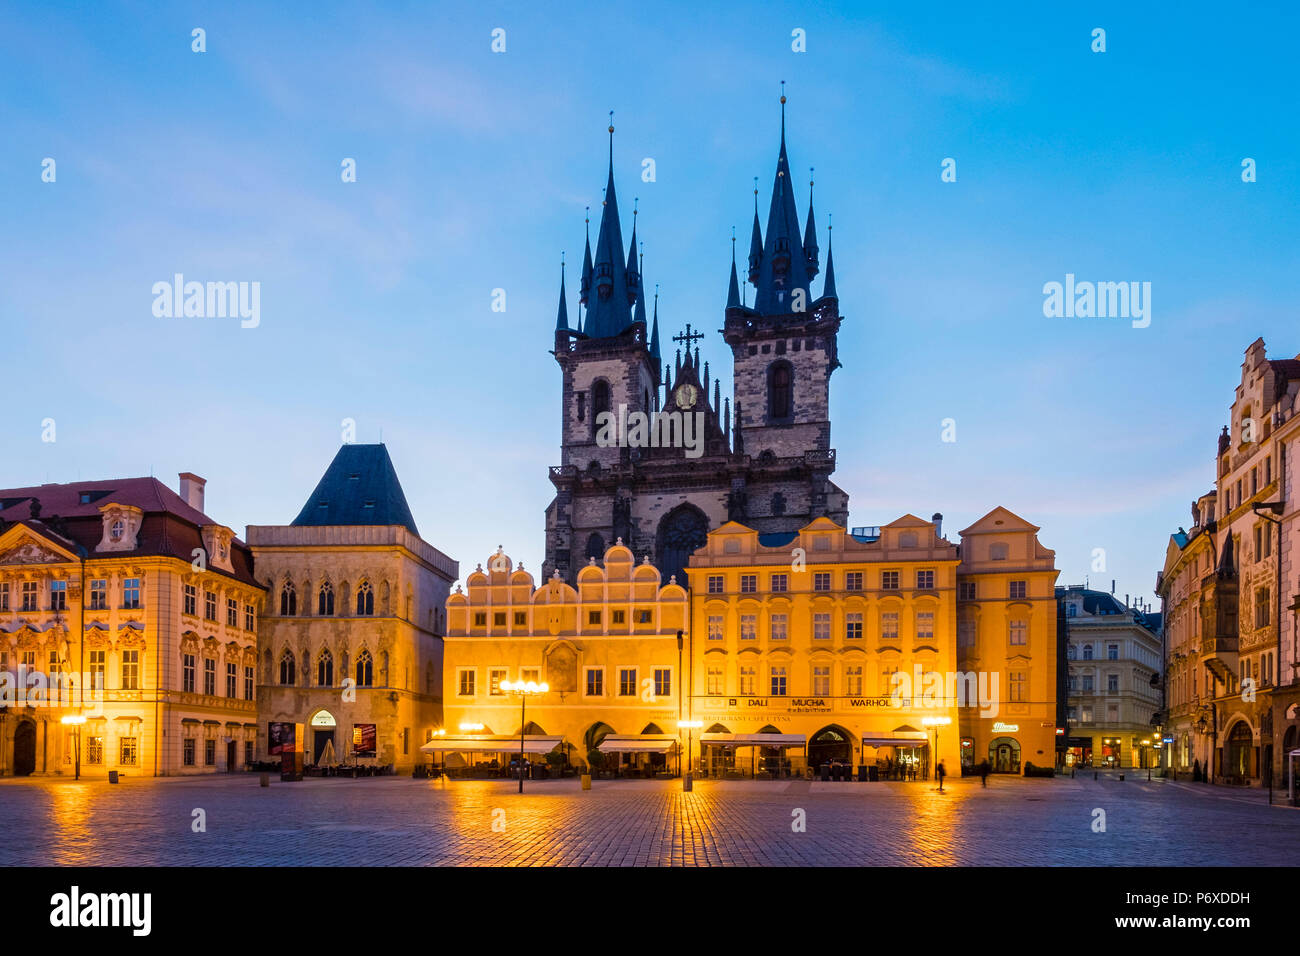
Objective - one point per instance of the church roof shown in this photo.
(360, 487)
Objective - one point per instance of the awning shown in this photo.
(491, 744)
(637, 743)
(755, 740)
(893, 740)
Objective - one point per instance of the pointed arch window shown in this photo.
(325, 668)
(365, 600)
(288, 600)
(600, 401)
(365, 670)
(325, 602)
(288, 668)
(780, 391)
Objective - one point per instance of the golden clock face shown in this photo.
(685, 396)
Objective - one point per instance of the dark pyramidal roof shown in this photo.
(360, 487)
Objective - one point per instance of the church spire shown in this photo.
(810, 234)
(654, 331)
(611, 312)
(828, 285)
(585, 288)
(783, 272)
(562, 316)
(733, 290)
(633, 273)
(755, 242)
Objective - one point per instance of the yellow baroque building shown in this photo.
(866, 649)
(607, 648)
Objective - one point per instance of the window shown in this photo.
(748, 583)
(595, 682)
(480, 619)
(1085, 715)
(95, 750)
(232, 612)
(232, 680)
(748, 680)
(190, 602)
(1016, 590)
(127, 751)
(645, 617)
(29, 596)
(620, 617)
(998, 552)
(780, 391)
(249, 617)
(853, 626)
(780, 582)
(1261, 608)
(248, 752)
(1112, 683)
(715, 583)
(889, 626)
(366, 670)
(1112, 713)
(209, 676)
(1018, 633)
(288, 600)
(189, 669)
(1087, 652)
(288, 672)
(1071, 610)
(715, 627)
(209, 753)
(778, 680)
(533, 674)
(966, 632)
(97, 669)
(821, 581)
(627, 682)
(925, 626)
(1112, 652)
(779, 632)
(521, 618)
(465, 682)
(365, 600)
(853, 680)
(1087, 684)
(821, 680)
(131, 670)
(715, 681)
(889, 580)
(4, 596)
(965, 590)
(1070, 652)
(58, 595)
(593, 618)
(663, 682)
(748, 627)
(248, 683)
(925, 580)
(1018, 685)
(325, 600)
(210, 605)
(822, 626)
(499, 619)
(853, 581)
(325, 669)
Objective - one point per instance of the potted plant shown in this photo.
(595, 760)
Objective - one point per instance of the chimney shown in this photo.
(938, 524)
(192, 490)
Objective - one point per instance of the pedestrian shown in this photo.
(984, 773)
(940, 771)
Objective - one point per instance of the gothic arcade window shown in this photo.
(365, 670)
(780, 391)
(365, 601)
(325, 602)
(288, 669)
(288, 600)
(325, 669)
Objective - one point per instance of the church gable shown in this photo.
(24, 545)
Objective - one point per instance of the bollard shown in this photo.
(688, 783)
(1094, 775)
(266, 780)
(1121, 776)
(112, 776)
(586, 781)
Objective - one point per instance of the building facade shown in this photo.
(125, 608)
(767, 464)
(1114, 660)
(607, 647)
(856, 643)
(352, 635)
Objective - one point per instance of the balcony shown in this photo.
(1219, 654)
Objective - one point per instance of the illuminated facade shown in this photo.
(122, 603)
(607, 647)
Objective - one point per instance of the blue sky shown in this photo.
(473, 170)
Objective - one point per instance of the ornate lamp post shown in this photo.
(936, 723)
(688, 726)
(75, 720)
(523, 690)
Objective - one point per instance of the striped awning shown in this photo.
(637, 743)
(491, 743)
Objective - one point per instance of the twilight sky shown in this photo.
(473, 169)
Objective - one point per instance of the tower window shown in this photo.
(599, 401)
(780, 391)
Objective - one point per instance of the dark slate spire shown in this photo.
(755, 242)
(784, 269)
(639, 315)
(828, 284)
(810, 233)
(360, 487)
(654, 332)
(562, 317)
(610, 312)
(585, 288)
(633, 273)
(733, 290)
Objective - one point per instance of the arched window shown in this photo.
(325, 669)
(365, 670)
(1087, 652)
(288, 668)
(780, 391)
(325, 603)
(288, 600)
(365, 600)
(595, 546)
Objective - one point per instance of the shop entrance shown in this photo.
(231, 750)
(1240, 747)
(322, 738)
(24, 748)
(1004, 755)
(829, 746)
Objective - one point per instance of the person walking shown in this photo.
(940, 771)
(984, 773)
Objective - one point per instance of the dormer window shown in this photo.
(117, 530)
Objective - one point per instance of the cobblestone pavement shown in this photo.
(400, 821)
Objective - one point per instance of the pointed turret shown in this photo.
(755, 242)
(611, 310)
(562, 316)
(733, 288)
(585, 288)
(828, 284)
(654, 332)
(810, 235)
(632, 272)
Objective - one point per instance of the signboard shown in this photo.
(324, 719)
(281, 738)
(1001, 728)
(363, 740)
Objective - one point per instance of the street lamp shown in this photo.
(523, 690)
(688, 726)
(936, 723)
(75, 720)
